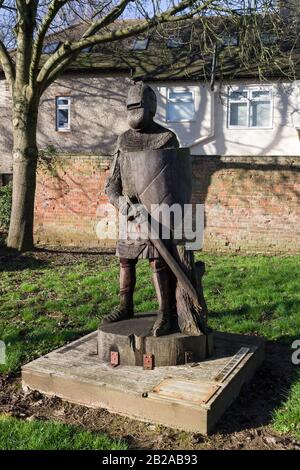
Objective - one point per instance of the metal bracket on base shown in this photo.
(148, 361)
(188, 357)
(114, 359)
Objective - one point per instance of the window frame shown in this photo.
(64, 106)
(136, 40)
(174, 42)
(269, 38)
(249, 90)
(180, 90)
(234, 36)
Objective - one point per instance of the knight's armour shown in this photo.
(143, 135)
(120, 182)
(157, 137)
(149, 169)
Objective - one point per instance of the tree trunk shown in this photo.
(25, 155)
(191, 318)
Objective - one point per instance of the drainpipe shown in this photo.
(212, 125)
(212, 106)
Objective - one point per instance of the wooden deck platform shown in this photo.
(191, 397)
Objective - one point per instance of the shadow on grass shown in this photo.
(267, 310)
(267, 391)
(75, 251)
(38, 343)
(12, 260)
(257, 320)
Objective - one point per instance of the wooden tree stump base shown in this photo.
(132, 339)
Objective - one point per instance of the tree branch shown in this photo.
(55, 73)
(54, 7)
(6, 7)
(108, 19)
(21, 6)
(7, 64)
(25, 27)
(71, 48)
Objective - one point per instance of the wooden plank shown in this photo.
(196, 392)
(132, 404)
(231, 365)
(232, 386)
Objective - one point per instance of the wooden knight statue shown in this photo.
(145, 171)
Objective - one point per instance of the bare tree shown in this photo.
(25, 26)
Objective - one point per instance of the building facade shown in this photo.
(243, 138)
(84, 113)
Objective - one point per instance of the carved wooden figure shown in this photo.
(148, 169)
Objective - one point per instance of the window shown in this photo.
(180, 105)
(63, 113)
(50, 47)
(174, 42)
(140, 44)
(87, 49)
(268, 39)
(250, 107)
(230, 39)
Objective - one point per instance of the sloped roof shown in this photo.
(188, 62)
(181, 66)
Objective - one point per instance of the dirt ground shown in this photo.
(245, 425)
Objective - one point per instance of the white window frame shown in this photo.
(230, 40)
(174, 42)
(174, 100)
(63, 107)
(268, 38)
(249, 89)
(137, 44)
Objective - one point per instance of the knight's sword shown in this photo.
(172, 263)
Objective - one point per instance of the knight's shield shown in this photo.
(162, 176)
(162, 181)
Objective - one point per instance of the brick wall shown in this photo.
(251, 203)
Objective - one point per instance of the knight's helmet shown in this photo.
(141, 95)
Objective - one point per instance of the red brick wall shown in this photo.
(251, 203)
(69, 195)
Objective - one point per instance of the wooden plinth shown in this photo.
(132, 339)
(189, 397)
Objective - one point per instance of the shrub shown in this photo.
(5, 205)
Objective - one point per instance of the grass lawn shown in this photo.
(287, 417)
(45, 303)
(40, 435)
